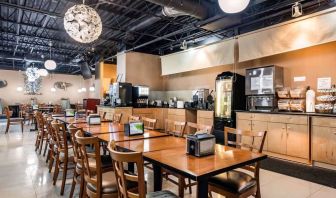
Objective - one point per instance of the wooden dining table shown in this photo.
(104, 127)
(71, 120)
(121, 137)
(199, 169)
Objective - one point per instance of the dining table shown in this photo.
(121, 137)
(104, 127)
(199, 169)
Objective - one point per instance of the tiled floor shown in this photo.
(23, 173)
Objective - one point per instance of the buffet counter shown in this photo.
(301, 137)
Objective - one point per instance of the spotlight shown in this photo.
(184, 45)
(297, 10)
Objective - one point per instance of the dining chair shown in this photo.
(117, 117)
(12, 121)
(100, 183)
(132, 185)
(191, 128)
(52, 150)
(133, 118)
(65, 156)
(26, 114)
(149, 123)
(175, 128)
(236, 183)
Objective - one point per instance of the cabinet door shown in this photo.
(324, 144)
(245, 125)
(298, 140)
(276, 140)
(258, 126)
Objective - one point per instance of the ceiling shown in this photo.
(28, 27)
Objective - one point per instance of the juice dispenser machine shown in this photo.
(230, 96)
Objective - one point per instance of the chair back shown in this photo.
(93, 170)
(175, 128)
(119, 159)
(76, 149)
(102, 114)
(149, 123)
(257, 139)
(191, 128)
(61, 137)
(39, 120)
(133, 118)
(117, 117)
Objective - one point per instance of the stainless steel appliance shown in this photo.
(121, 94)
(201, 145)
(261, 86)
(229, 98)
(140, 96)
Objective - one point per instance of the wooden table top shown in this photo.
(153, 144)
(69, 120)
(104, 127)
(120, 137)
(224, 159)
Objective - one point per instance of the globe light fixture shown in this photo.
(53, 89)
(42, 72)
(50, 64)
(233, 6)
(19, 89)
(82, 23)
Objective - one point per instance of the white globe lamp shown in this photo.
(50, 64)
(42, 72)
(233, 6)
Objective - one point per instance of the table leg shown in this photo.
(202, 188)
(157, 178)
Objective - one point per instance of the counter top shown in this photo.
(290, 113)
(192, 109)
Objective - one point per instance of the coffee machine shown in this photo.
(140, 95)
(261, 86)
(229, 98)
(121, 94)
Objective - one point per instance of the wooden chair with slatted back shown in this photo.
(125, 180)
(149, 123)
(191, 128)
(52, 151)
(12, 121)
(117, 117)
(175, 128)
(238, 184)
(133, 118)
(65, 158)
(42, 133)
(99, 183)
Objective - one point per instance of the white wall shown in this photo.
(9, 95)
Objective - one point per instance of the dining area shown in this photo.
(104, 160)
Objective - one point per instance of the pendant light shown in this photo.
(50, 64)
(233, 6)
(83, 23)
(43, 72)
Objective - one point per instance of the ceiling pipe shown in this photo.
(197, 9)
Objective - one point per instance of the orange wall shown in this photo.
(313, 62)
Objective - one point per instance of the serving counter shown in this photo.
(302, 137)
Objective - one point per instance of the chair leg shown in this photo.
(65, 170)
(73, 184)
(82, 185)
(45, 147)
(56, 170)
(22, 126)
(51, 162)
(7, 128)
(41, 145)
(190, 187)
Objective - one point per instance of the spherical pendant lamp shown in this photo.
(50, 64)
(42, 72)
(233, 6)
(83, 23)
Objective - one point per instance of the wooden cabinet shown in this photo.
(277, 140)
(205, 117)
(160, 114)
(110, 111)
(324, 140)
(287, 135)
(298, 140)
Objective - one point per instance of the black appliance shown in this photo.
(121, 94)
(140, 96)
(230, 96)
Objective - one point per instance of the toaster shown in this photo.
(201, 144)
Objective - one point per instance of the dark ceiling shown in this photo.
(29, 26)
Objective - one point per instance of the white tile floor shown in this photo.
(23, 173)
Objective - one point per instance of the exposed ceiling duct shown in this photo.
(197, 9)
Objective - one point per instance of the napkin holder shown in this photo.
(201, 144)
(134, 128)
(93, 119)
